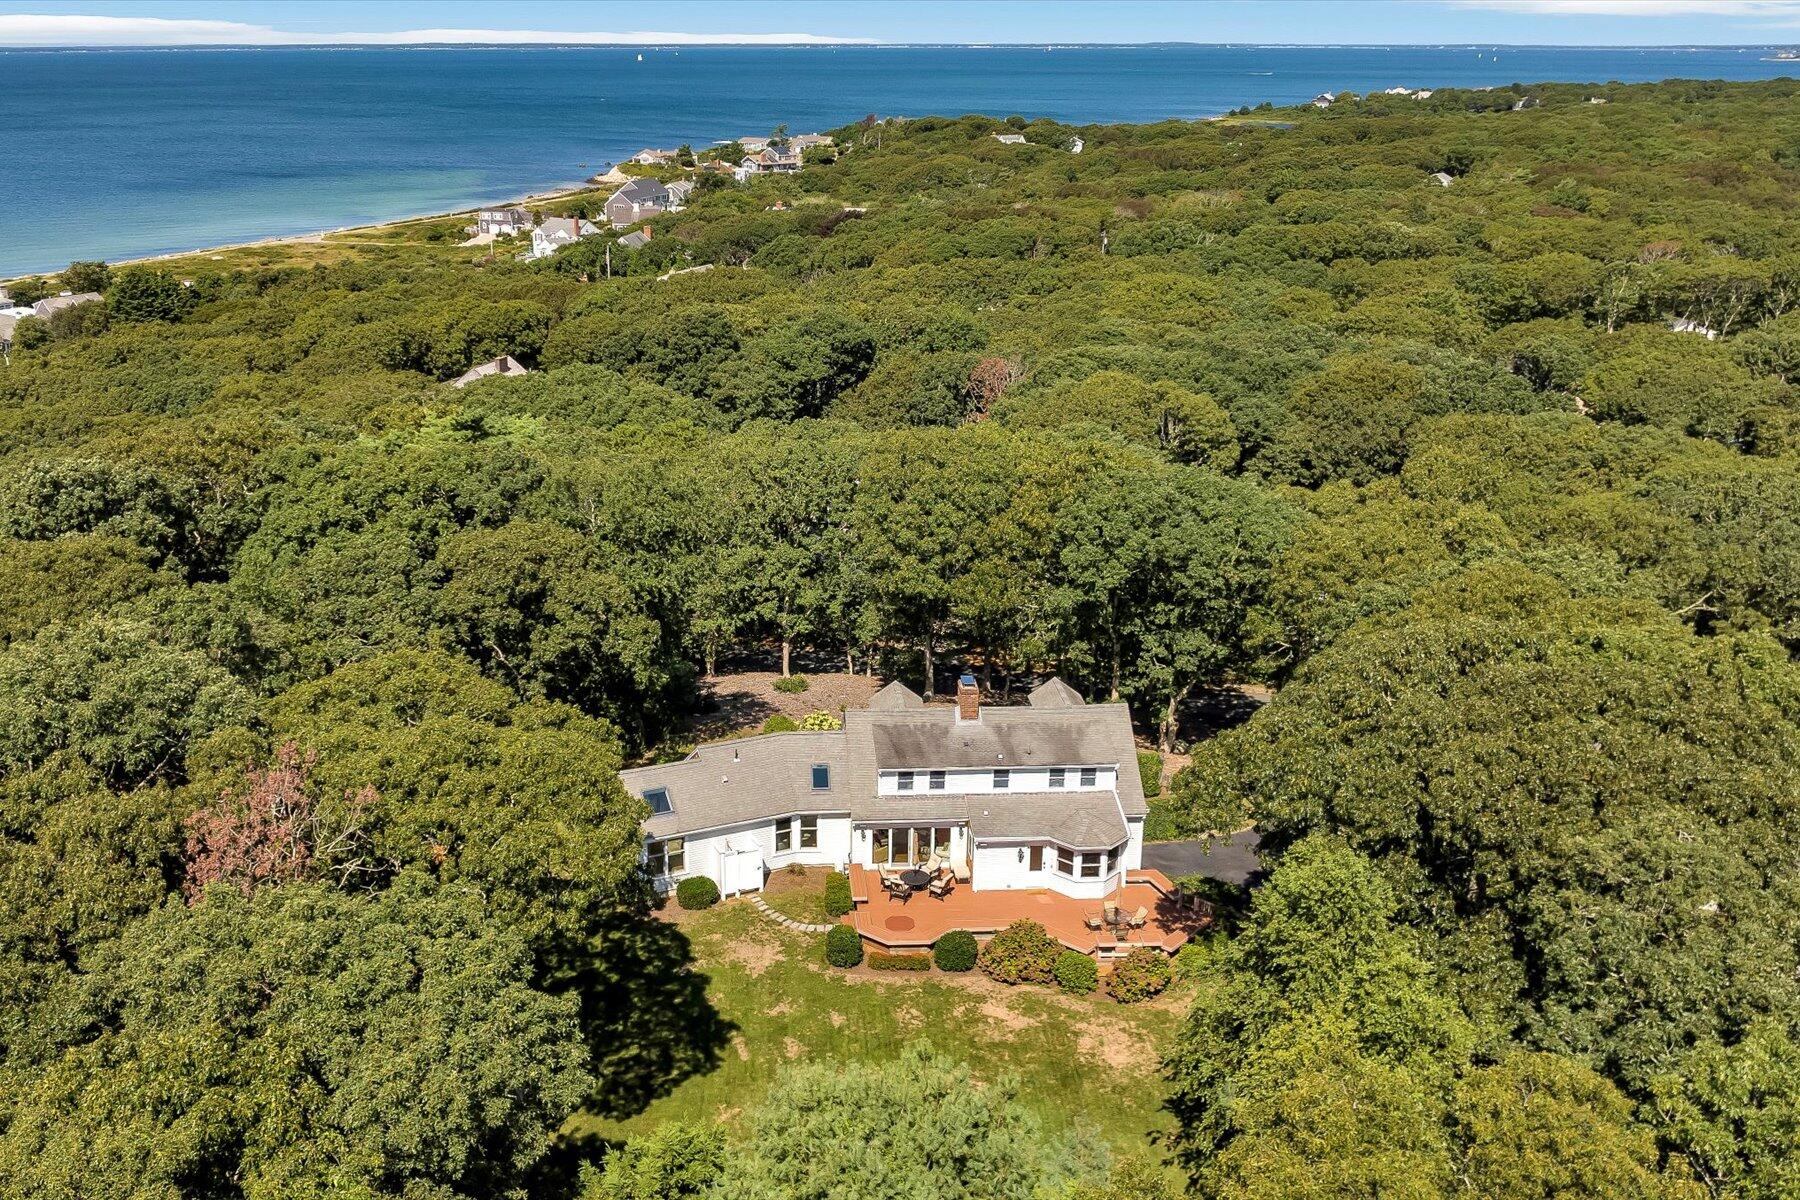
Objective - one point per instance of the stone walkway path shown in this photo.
(786, 922)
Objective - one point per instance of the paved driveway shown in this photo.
(1231, 858)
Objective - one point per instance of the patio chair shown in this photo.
(896, 890)
(1139, 918)
(1093, 922)
(942, 886)
(1110, 912)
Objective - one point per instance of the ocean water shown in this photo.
(120, 153)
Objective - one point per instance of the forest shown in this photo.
(316, 874)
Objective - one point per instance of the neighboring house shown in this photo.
(1442, 178)
(1422, 94)
(654, 158)
(9, 323)
(553, 233)
(1596, 99)
(1323, 100)
(502, 222)
(752, 144)
(1687, 325)
(1076, 145)
(1044, 795)
(679, 191)
(771, 160)
(806, 141)
(636, 240)
(1527, 102)
(637, 201)
(53, 304)
(1010, 139)
(1398, 91)
(506, 364)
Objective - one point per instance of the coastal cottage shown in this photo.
(772, 160)
(1688, 325)
(654, 158)
(1323, 100)
(502, 222)
(636, 240)
(679, 191)
(54, 304)
(1026, 810)
(1076, 145)
(1443, 178)
(9, 324)
(1010, 139)
(751, 145)
(556, 232)
(637, 201)
(505, 365)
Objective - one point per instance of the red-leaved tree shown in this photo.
(267, 833)
(988, 381)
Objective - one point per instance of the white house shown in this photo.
(1010, 139)
(556, 232)
(1044, 795)
(1689, 325)
(1442, 178)
(1076, 145)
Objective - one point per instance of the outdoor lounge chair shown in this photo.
(1140, 917)
(896, 890)
(1093, 923)
(942, 886)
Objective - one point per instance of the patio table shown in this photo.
(915, 879)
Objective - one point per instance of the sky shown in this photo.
(1516, 22)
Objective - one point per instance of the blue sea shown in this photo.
(120, 153)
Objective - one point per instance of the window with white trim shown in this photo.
(784, 836)
(1058, 777)
(1113, 858)
(903, 780)
(901, 846)
(667, 857)
(937, 781)
(1089, 776)
(809, 833)
(821, 777)
(1002, 779)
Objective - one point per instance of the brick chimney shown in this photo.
(968, 699)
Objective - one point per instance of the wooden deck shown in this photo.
(920, 921)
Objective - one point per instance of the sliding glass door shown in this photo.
(903, 845)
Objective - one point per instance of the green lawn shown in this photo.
(1082, 1061)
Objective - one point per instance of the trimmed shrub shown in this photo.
(880, 960)
(1076, 973)
(837, 894)
(1168, 821)
(791, 685)
(956, 951)
(843, 946)
(1138, 976)
(820, 722)
(1021, 953)
(696, 891)
(1150, 767)
(779, 723)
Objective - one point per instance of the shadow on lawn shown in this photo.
(649, 1026)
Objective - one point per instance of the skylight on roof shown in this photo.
(658, 800)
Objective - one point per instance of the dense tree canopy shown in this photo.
(1496, 484)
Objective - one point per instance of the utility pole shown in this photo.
(609, 260)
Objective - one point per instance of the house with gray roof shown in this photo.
(637, 201)
(1039, 796)
(49, 305)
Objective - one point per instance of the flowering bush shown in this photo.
(1021, 953)
(1138, 976)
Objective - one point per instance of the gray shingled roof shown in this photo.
(1080, 820)
(771, 775)
(1054, 693)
